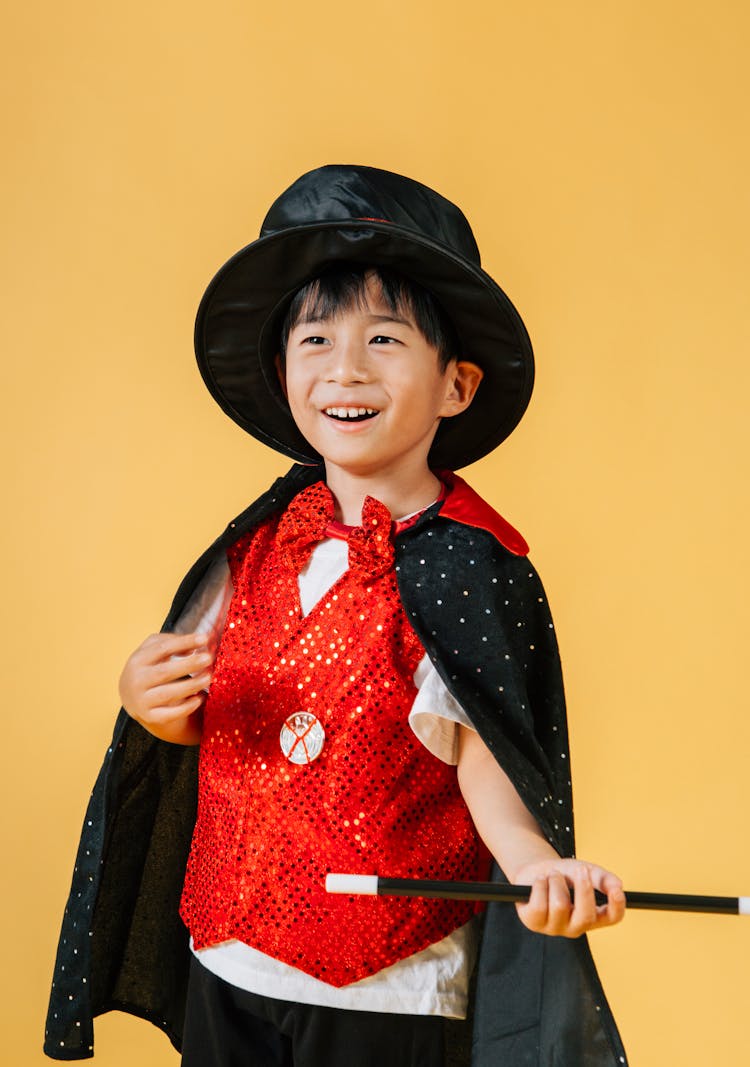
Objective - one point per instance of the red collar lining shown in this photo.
(466, 506)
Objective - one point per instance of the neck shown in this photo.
(402, 497)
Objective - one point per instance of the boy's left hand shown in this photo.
(550, 909)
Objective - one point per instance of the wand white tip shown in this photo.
(743, 905)
(352, 883)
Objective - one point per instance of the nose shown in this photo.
(348, 364)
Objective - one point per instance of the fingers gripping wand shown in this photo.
(372, 885)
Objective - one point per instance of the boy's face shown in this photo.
(366, 389)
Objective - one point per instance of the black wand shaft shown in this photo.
(502, 892)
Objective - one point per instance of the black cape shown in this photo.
(482, 616)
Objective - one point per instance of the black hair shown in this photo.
(344, 286)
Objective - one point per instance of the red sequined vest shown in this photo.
(374, 801)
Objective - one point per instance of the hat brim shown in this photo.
(240, 315)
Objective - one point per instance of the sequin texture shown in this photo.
(373, 801)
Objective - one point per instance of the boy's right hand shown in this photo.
(163, 685)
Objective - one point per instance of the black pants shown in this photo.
(227, 1027)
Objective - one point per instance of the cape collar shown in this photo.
(464, 505)
(460, 504)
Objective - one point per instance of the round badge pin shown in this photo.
(302, 737)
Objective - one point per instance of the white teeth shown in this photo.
(349, 413)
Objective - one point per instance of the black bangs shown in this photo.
(343, 288)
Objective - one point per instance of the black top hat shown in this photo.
(361, 215)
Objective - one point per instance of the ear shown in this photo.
(281, 373)
(462, 378)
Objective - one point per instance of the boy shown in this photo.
(385, 696)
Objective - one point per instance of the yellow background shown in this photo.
(600, 151)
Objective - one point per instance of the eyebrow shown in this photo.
(306, 319)
(391, 318)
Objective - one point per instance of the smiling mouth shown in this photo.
(351, 414)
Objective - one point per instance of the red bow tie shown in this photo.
(309, 519)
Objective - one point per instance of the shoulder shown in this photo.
(250, 547)
(465, 530)
(462, 556)
(464, 506)
(274, 501)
